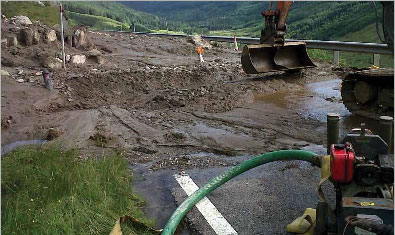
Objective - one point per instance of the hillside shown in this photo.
(307, 20)
(114, 15)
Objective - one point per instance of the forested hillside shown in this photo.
(307, 20)
(114, 15)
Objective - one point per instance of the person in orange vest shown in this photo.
(199, 50)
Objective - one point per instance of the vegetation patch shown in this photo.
(48, 15)
(48, 191)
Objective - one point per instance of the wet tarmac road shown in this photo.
(265, 199)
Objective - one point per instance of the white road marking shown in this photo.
(208, 210)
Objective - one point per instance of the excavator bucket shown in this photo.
(264, 58)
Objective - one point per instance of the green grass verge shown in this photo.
(96, 22)
(48, 15)
(48, 191)
(350, 59)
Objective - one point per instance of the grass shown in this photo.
(350, 59)
(97, 22)
(48, 191)
(48, 15)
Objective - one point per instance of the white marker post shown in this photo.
(235, 40)
(61, 26)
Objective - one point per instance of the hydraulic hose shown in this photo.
(214, 183)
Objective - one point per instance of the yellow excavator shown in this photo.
(365, 92)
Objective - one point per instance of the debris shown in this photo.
(20, 80)
(145, 150)
(12, 41)
(36, 37)
(20, 71)
(58, 59)
(26, 36)
(94, 52)
(23, 20)
(200, 42)
(40, 3)
(68, 57)
(100, 60)
(39, 73)
(53, 133)
(47, 79)
(78, 59)
(4, 73)
(80, 39)
(50, 36)
(51, 63)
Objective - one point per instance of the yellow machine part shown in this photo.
(264, 58)
(305, 224)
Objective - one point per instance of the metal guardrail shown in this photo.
(373, 48)
(335, 46)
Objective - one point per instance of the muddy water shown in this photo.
(9, 147)
(315, 101)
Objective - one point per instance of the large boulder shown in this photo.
(26, 36)
(200, 42)
(50, 35)
(80, 39)
(22, 20)
(29, 36)
(78, 59)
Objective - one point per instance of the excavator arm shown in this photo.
(273, 53)
(275, 23)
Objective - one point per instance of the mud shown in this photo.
(152, 101)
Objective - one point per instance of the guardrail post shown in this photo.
(336, 57)
(376, 59)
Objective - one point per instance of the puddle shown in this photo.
(156, 189)
(9, 147)
(316, 101)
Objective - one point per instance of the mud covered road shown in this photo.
(152, 101)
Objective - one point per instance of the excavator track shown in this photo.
(374, 106)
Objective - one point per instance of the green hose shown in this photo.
(187, 205)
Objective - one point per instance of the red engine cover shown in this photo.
(342, 164)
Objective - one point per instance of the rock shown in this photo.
(94, 52)
(23, 20)
(78, 59)
(59, 59)
(200, 42)
(4, 73)
(51, 63)
(4, 41)
(39, 73)
(100, 60)
(50, 35)
(12, 41)
(20, 71)
(40, 3)
(36, 37)
(20, 80)
(53, 133)
(68, 57)
(26, 36)
(80, 39)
